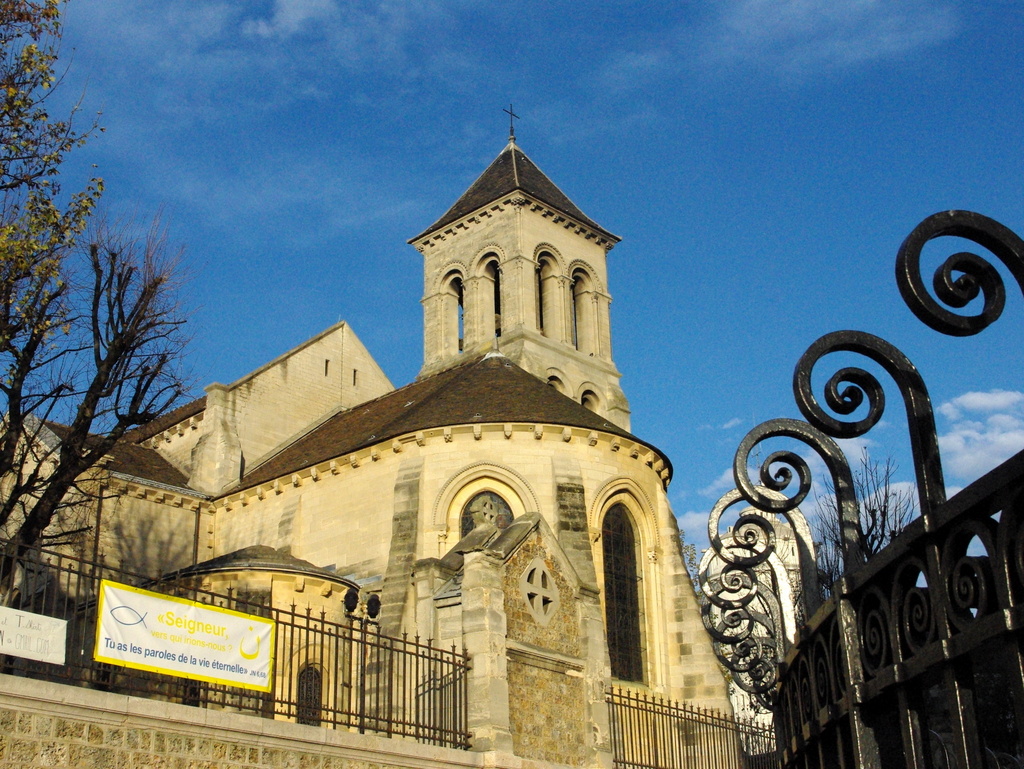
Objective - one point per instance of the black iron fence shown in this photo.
(339, 675)
(649, 732)
(932, 639)
(917, 659)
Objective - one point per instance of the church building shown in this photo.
(498, 502)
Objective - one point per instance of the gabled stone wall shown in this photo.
(248, 419)
(548, 702)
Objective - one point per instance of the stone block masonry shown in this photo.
(48, 725)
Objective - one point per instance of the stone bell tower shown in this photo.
(515, 267)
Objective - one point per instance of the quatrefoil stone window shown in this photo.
(539, 591)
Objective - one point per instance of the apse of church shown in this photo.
(498, 502)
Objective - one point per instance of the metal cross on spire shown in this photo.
(511, 126)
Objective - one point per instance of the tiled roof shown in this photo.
(510, 171)
(162, 422)
(491, 389)
(257, 558)
(135, 460)
(145, 463)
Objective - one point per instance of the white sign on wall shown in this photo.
(150, 631)
(32, 636)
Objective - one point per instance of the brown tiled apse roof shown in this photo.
(491, 390)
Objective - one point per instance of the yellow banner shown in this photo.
(150, 631)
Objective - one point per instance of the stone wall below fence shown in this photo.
(45, 724)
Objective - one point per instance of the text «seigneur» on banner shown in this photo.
(164, 634)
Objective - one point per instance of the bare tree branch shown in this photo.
(885, 510)
(91, 334)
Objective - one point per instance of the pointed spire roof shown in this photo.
(512, 170)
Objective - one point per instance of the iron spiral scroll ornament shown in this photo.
(727, 613)
(741, 613)
(850, 388)
(742, 610)
(962, 277)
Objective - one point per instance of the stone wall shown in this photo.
(561, 632)
(252, 417)
(547, 698)
(51, 725)
(160, 525)
(548, 711)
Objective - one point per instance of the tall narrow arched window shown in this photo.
(539, 290)
(454, 326)
(493, 272)
(461, 313)
(622, 595)
(582, 312)
(310, 685)
(575, 315)
(549, 307)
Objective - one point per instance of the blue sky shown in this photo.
(762, 162)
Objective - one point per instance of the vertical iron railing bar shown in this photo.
(434, 687)
(650, 732)
(322, 639)
(968, 742)
(67, 587)
(335, 668)
(361, 680)
(664, 735)
(637, 751)
(912, 748)
(698, 739)
(717, 747)
(702, 739)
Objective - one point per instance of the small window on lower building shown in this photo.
(310, 687)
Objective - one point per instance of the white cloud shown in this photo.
(292, 16)
(694, 524)
(803, 35)
(985, 429)
(720, 485)
(624, 69)
(855, 448)
(784, 39)
(734, 422)
(992, 401)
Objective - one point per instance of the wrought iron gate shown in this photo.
(917, 659)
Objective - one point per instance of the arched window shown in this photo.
(485, 506)
(492, 303)
(454, 326)
(548, 306)
(555, 382)
(582, 312)
(622, 595)
(460, 292)
(589, 400)
(310, 687)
